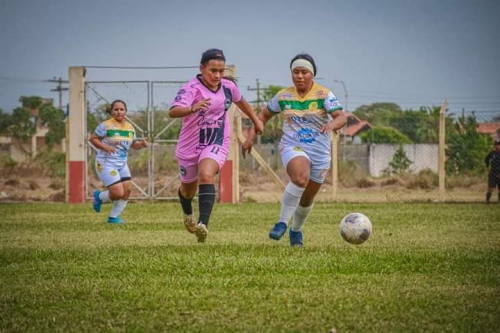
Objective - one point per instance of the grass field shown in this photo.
(426, 268)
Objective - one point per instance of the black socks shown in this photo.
(206, 195)
(187, 206)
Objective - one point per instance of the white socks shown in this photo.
(104, 196)
(291, 199)
(118, 207)
(300, 217)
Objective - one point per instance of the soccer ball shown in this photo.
(355, 228)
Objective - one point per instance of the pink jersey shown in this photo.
(209, 127)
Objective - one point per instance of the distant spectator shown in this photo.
(493, 164)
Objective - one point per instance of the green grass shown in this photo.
(426, 268)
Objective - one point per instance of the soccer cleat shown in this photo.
(278, 230)
(201, 232)
(97, 202)
(189, 223)
(296, 238)
(115, 220)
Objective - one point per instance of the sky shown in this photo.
(411, 52)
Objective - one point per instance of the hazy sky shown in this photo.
(412, 52)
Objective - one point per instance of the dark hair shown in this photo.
(212, 54)
(497, 142)
(113, 105)
(307, 57)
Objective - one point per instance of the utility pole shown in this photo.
(59, 88)
(65, 142)
(257, 89)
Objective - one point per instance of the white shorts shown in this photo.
(110, 175)
(319, 169)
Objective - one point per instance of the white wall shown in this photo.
(423, 156)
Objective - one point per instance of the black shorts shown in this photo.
(493, 180)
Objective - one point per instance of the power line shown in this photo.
(142, 67)
(59, 89)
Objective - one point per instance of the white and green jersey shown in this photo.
(120, 136)
(304, 118)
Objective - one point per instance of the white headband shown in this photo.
(303, 63)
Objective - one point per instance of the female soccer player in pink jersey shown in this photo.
(203, 145)
(311, 111)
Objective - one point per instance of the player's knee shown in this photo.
(301, 179)
(206, 177)
(116, 193)
(126, 194)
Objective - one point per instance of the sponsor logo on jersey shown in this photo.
(313, 106)
(182, 91)
(299, 120)
(306, 135)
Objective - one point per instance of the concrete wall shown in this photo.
(373, 159)
(423, 156)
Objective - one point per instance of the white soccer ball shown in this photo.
(355, 228)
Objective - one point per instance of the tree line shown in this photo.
(391, 124)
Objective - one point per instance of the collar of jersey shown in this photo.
(201, 81)
(306, 95)
(118, 124)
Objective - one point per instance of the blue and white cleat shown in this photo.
(296, 238)
(115, 220)
(97, 202)
(278, 230)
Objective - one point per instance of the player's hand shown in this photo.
(143, 143)
(109, 149)
(246, 147)
(202, 105)
(328, 127)
(259, 127)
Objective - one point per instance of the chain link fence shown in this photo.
(154, 169)
(393, 156)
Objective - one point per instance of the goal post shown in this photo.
(76, 164)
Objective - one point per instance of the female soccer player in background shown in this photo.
(203, 145)
(113, 139)
(311, 111)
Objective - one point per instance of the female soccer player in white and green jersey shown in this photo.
(113, 139)
(311, 111)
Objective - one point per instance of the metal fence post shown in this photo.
(442, 151)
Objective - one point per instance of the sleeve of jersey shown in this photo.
(184, 97)
(100, 131)
(332, 103)
(273, 105)
(236, 93)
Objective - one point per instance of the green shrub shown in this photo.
(7, 162)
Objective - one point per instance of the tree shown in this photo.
(420, 126)
(400, 162)
(389, 135)
(466, 148)
(5, 121)
(378, 113)
(22, 126)
(53, 118)
(274, 127)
